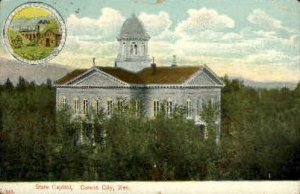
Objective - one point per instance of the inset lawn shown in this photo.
(33, 52)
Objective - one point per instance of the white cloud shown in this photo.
(294, 41)
(80, 46)
(156, 24)
(89, 37)
(104, 52)
(204, 20)
(109, 21)
(205, 36)
(231, 36)
(260, 17)
(268, 56)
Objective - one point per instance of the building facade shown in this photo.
(134, 78)
(50, 39)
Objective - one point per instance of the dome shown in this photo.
(133, 28)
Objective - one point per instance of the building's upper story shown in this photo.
(133, 67)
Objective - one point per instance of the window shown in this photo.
(199, 106)
(135, 49)
(85, 106)
(169, 108)
(121, 105)
(88, 133)
(109, 107)
(143, 49)
(63, 101)
(76, 106)
(124, 49)
(96, 106)
(155, 108)
(212, 101)
(137, 107)
(189, 108)
(132, 48)
(47, 42)
(203, 131)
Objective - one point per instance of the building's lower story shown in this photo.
(149, 102)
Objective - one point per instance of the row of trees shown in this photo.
(260, 139)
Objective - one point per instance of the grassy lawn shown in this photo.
(33, 52)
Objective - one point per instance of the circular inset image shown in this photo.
(34, 33)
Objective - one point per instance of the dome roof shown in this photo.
(133, 28)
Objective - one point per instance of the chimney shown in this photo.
(174, 64)
(153, 66)
(94, 61)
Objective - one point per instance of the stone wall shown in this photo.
(178, 96)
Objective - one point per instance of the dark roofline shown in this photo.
(164, 75)
(69, 76)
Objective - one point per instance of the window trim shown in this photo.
(121, 105)
(109, 107)
(76, 105)
(156, 107)
(85, 107)
(96, 105)
(63, 102)
(170, 107)
(188, 108)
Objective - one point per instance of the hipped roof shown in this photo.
(157, 75)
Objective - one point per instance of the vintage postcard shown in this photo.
(149, 96)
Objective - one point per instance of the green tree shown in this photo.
(209, 114)
(8, 85)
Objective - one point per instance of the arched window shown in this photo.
(109, 107)
(143, 49)
(132, 48)
(76, 106)
(156, 108)
(96, 105)
(85, 106)
(189, 108)
(135, 49)
(169, 108)
(124, 48)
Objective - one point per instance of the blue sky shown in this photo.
(253, 39)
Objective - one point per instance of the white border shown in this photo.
(133, 187)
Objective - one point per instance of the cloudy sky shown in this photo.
(253, 39)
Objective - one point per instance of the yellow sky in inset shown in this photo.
(32, 12)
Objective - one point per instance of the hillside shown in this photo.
(12, 69)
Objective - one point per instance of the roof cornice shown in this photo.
(132, 86)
